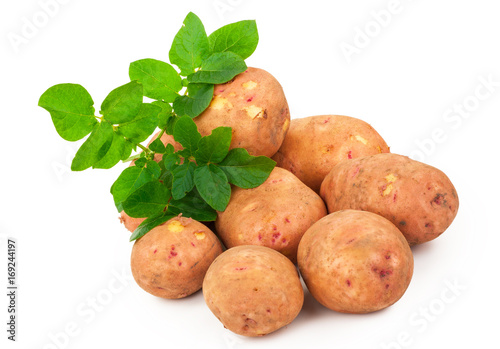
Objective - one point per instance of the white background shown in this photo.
(73, 255)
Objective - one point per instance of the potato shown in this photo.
(171, 260)
(254, 106)
(253, 290)
(419, 199)
(276, 214)
(313, 145)
(355, 262)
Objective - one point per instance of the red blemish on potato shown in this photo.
(173, 253)
(348, 242)
(348, 282)
(356, 172)
(349, 154)
(250, 99)
(240, 268)
(273, 241)
(250, 321)
(221, 90)
(429, 188)
(155, 251)
(283, 240)
(288, 221)
(172, 247)
(427, 225)
(276, 180)
(394, 197)
(192, 244)
(384, 273)
(260, 237)
(276, 235)
(268, 310)
(180, 263)
(326, 121)
(386, 286)
(388, 256)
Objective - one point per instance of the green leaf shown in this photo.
(160, 80)
(190, 46)
(120, 149)
(171, 124)
(94, 148)
(244, 170)
(123, 103)
(193, 206)
(214, 148)
(219, 68)
(186, 133)
(198, 99)
(157, 146)
(143, 125)
(71, 108)
(141, 162)
(165, 114)
(183, 181)
(151, 223)
(147, 200)
(213, 186)
(154, 168)
(130, 180)
(240, 37)
(170, 161)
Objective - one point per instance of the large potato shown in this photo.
(253, 290)
(171, 260)
(313, 145)
(276, 214)
(254, 106)
(419, 199)
(355, 262)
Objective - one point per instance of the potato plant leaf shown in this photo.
(190, 46)
(123, 103)
(160, 80)
(213, 186)
(143, 125)
(240, 37)
(94, 148)
(214, 147)
(219, 68)
(71, 108)
(147, 200)
(198, 99)
(246, 171)
(186, 133)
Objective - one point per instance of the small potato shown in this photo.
(253, 290)
(419, 199)
(313, 145)
(355, 262)
(254, 106)
(276, 214)
(171, 260)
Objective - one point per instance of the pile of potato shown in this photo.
(338, 205)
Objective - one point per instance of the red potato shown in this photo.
(355, 262)
(253, 104)
(276, 214)
(171, 260)
(253, 290)
(419, 199)
(315, 144)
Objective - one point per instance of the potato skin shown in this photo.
(419, 199)
(276, 214)
(254, 106)
(253, 290)
(355, 262)
(171, 260)
(315, 144)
